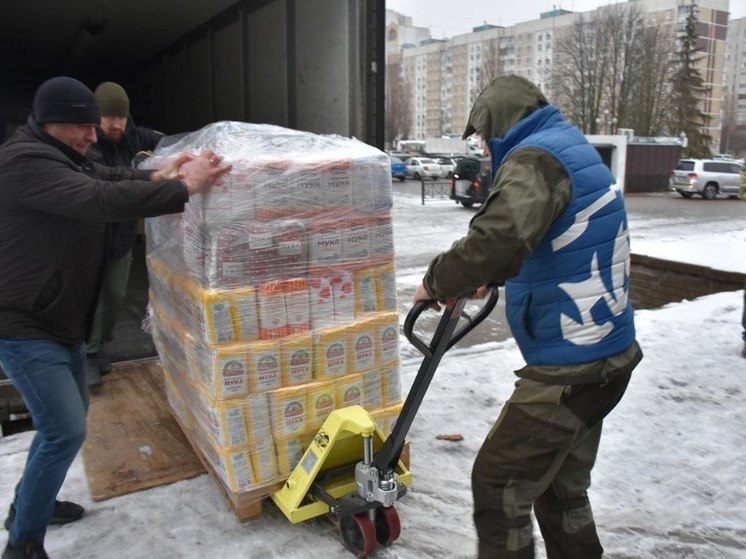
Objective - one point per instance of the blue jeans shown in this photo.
(52, 380)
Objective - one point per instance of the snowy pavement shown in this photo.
(669, 482)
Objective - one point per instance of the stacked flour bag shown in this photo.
(273, 296)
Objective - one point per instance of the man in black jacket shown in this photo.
(53, 206)
(119, 140)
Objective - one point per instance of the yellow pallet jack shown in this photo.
(332, 479)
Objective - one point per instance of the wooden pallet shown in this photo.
(246, 505)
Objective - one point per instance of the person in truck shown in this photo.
(54, 203)
(119, 141)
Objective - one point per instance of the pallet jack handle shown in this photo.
(445, 337)
(457, 336)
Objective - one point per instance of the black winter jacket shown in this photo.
(121, 235)
(53, 206)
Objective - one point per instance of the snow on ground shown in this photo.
(668, 482)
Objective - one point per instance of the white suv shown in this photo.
(706, 177)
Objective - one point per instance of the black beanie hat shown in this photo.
(64, 99)
(112, 99)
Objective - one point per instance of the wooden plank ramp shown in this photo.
(133, 440)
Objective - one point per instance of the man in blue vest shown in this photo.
(554, 230)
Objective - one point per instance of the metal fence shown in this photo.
(435, 190)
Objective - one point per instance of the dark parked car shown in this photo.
(398, 168)
(472, 180)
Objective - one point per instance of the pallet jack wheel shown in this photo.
(388, 527)
(358, 533)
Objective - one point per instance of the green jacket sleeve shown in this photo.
(530, 192)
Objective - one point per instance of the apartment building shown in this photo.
(712, 16)
(733, 138)
(447, 75)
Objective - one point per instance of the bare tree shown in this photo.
(612, 71)
(647, 103)
(729, 121)
(620, 25)
(578, 77)
(733, 136)
(490, 62)
(608, 30)
(398, 117)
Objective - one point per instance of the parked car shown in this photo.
(447, 166)
(400, 154)
(422, 168)
(398, 168)
(706, 177)
(472, 180)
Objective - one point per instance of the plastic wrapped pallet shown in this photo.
(273, 296)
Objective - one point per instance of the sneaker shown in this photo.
(64, 512)
(25, 550)
(104, 363)
(93, 373)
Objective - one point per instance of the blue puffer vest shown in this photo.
(569, 304)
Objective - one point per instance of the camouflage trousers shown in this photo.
(539, 455)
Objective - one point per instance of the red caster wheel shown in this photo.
(388, 527)
(358, 533)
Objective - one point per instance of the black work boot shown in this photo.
(93, 374)
(64, 512)
(25, 550)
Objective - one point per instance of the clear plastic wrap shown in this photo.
(273, 296)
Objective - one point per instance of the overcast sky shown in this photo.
(447, 18)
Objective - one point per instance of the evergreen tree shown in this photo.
(688, 89)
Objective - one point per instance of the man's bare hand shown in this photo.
(421, 294)
(480, 293)
(203, 171)
(172, 169)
